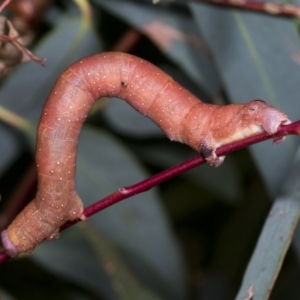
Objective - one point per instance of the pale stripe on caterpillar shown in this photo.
(181, 115)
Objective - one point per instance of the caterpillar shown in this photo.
(182, 116)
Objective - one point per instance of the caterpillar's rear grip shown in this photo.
(181, 115)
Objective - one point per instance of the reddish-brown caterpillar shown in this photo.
(150, 91)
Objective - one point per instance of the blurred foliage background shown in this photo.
(208, 234)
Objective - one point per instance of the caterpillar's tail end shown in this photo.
(9, 247)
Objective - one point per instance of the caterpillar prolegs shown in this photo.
(150, 91)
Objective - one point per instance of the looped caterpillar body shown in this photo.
(181, 115)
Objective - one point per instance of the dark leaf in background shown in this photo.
(217, 214)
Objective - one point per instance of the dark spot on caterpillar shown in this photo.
(205, 151)
(41, 219)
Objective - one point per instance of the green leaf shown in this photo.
(138, 225)
(73, 38)
(124, 281)
(274, 240)
(72, 257)
(174, 33)
(255, 55)
(224, 182)
(126, 120)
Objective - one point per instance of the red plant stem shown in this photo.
(4, 4)
(127, 41)
(3, 257)
(145, 185)
(284, 10)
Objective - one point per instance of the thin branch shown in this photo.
(284, 10)
(4, 4)
(14, 119)
(128, 41)
(145, 185)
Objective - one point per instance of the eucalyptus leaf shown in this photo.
(70, 40)
(72, 257)
(253, 68)
(224, 182)
(126, 120)
(139, 225)
(274, 240)
(174, 33)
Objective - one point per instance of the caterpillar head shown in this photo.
(267, 117)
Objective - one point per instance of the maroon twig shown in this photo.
(126, 43)
(27, 54)
(3, 257)
(284, 10)
(145, 185)
(4, 4)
